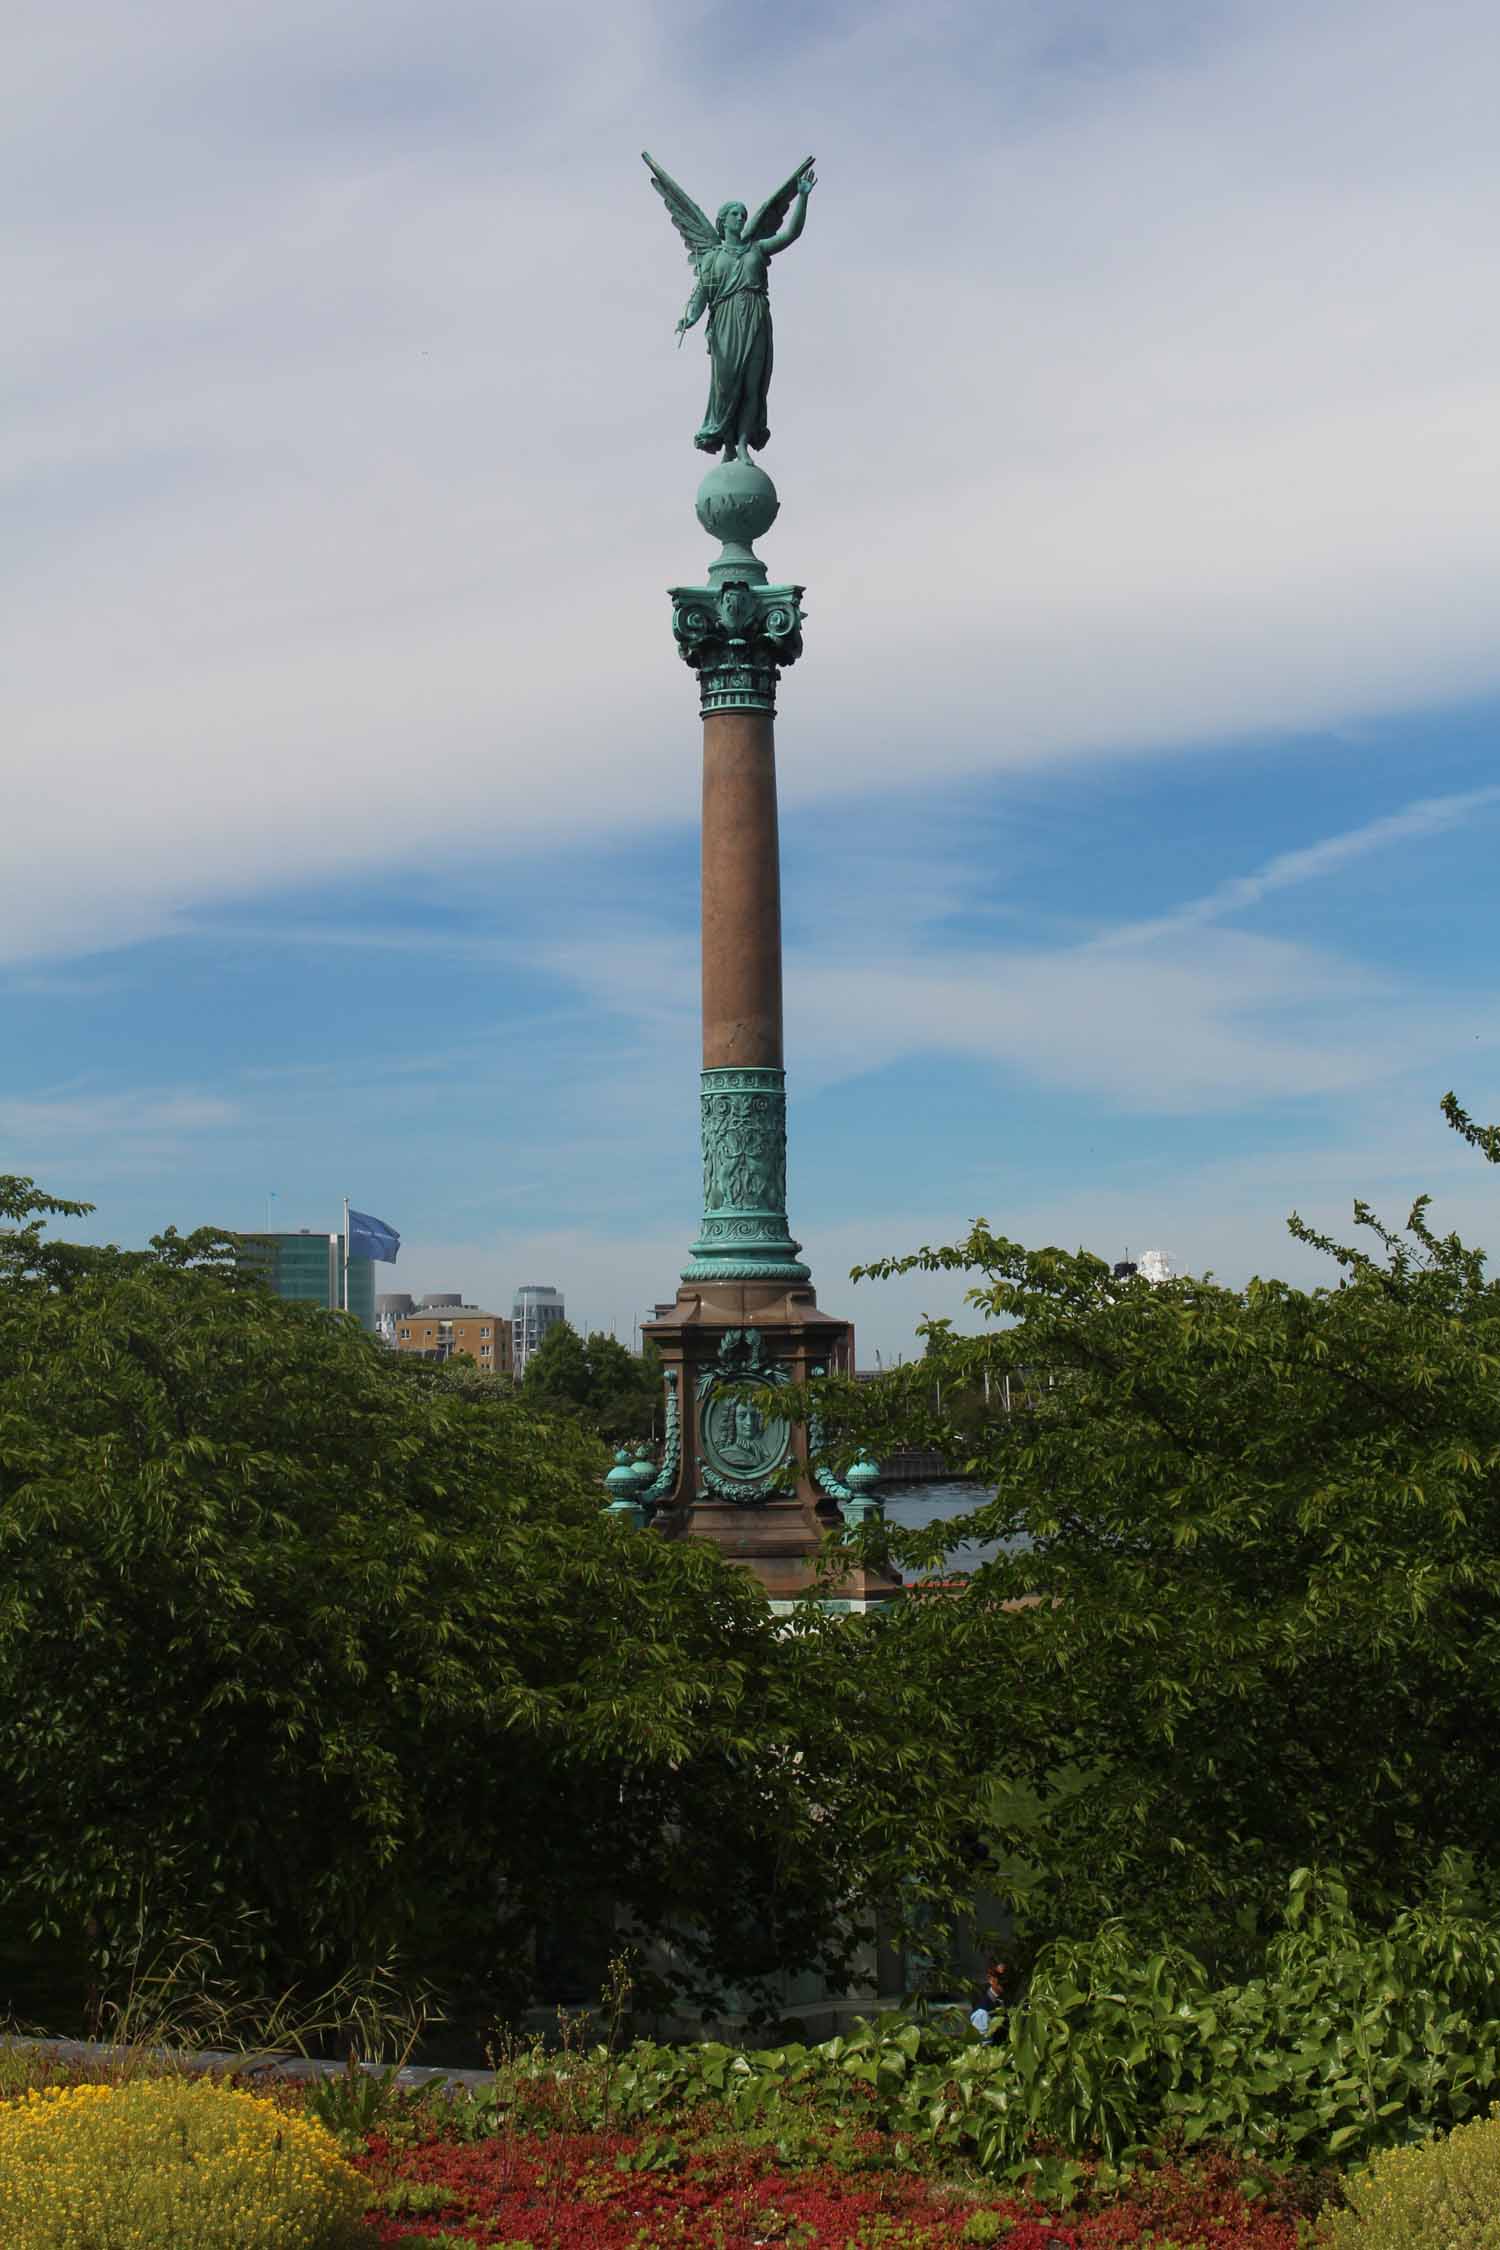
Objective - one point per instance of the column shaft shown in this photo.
(741, 893)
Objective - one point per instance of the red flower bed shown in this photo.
(570, 2192)
(1183, 2200)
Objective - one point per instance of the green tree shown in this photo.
(329, 1662)
(616, 1392)
(1256, 1539)
(557, 1372)
(625, 1389)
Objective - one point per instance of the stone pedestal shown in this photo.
(745, 1482)
(752, 1484)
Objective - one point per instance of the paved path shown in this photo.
(250, 2063)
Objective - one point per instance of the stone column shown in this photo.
(745, 1236)
(741, 893)
(752, 1483)
(738, 633)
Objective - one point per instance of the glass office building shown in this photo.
(308, 1269)
(537, 1308)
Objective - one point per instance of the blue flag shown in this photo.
(372, 1238)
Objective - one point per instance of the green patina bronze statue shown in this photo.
(729, 258)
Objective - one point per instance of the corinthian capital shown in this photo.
(737, 637)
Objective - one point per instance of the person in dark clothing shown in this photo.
(988, 2012)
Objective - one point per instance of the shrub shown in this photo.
(1440, 2195)
(1261, 1524)
(246, 1558)
(1351, 2038)
(191, 2163)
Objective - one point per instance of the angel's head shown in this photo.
(730, 223)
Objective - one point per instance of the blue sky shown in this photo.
(1137, 425)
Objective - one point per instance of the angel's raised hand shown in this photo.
(808, 181)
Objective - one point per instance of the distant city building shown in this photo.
(393, 1305)
(443, 1327)
(1154, 1266)
(536, 1309)
(308, 1269)
(390, 1306)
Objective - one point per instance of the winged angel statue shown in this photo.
(729, 258)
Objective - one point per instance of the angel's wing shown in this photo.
(775, 208)
(696, 231)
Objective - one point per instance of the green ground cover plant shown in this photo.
(453, 2172)
(1345, 2040)
(876, 2140)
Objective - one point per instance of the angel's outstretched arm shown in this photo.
(693, 311)
(798, 219)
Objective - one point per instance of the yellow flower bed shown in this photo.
(171, 2164)
(1436, 2195)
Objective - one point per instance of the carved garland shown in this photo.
(671, 1458)
(823, 1476)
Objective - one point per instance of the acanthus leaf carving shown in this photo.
(737, 637)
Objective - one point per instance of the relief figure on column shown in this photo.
(744, 1151)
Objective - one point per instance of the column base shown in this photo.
(718, 1268)
(746, 1482)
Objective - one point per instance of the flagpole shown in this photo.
(346, 1253)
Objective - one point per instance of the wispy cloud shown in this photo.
(1209, 1215)
(62, 984)
(92, 1114)
(1172, 1015)
(400, 935)
(1133, 392)
(1413, 824)
(109, 1129)
(1245, 1021)
(1132, 389)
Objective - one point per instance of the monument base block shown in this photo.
(748, 1482)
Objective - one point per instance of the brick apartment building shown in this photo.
(449, 1329)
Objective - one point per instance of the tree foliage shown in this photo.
(344, 1656)
(616, 1392)
(557, 1372)
(1255, 1537)
(335, 1664)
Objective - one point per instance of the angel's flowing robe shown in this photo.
(733, 285)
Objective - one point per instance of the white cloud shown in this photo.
(1137, 384)
(1168, 1014)
(1413, 824)
(76, 1132)
(1243, 1020)
(1172, 1015)
(1227, 1217)
(92, 1115)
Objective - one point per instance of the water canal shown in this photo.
(915, 1506)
